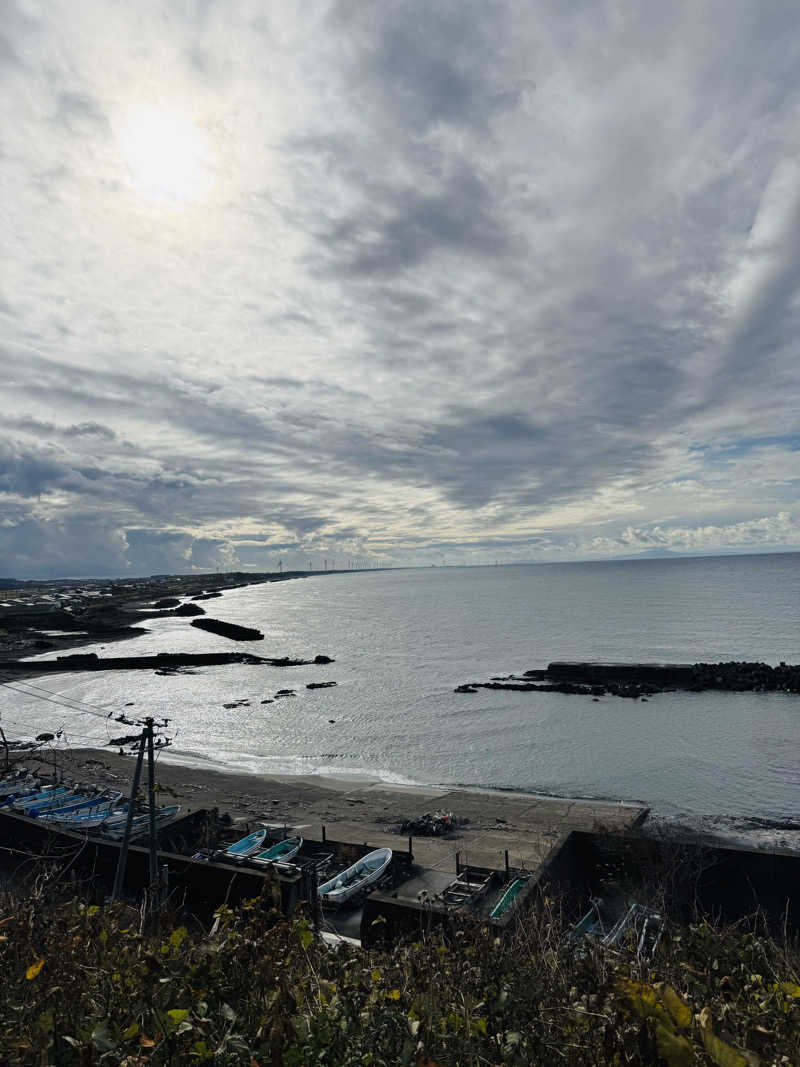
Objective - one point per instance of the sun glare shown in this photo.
(168, 157)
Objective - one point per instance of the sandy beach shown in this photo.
(367, 810)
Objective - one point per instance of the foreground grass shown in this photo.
(85, 985)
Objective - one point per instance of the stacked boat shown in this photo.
(77, 807)
(348, 886)
(251, 849)
(614, 923)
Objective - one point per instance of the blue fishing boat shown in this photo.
(58, 802)
(247, 845)
(90, 801)
(18, 784)
(283, 852)
(509, 896)
(86, 817)
(46, 796)
(616, 925)
(16, 793)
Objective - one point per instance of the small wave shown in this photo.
(536, 791)
(750, 831)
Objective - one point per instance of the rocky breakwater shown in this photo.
(161, 663)
(228, 629)
(642, 680)
(188, 610)
(750, 677)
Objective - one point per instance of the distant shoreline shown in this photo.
(98, 623)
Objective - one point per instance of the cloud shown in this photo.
(769, 531)
(466, 278)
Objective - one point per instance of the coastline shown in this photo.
(714, 821)
(370, 810)
(26, 631)
(367, 809)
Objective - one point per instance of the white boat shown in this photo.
(141, 823)
(358, 877)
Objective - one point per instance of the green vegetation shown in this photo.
(83, 984)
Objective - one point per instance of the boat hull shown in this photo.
(357, 879)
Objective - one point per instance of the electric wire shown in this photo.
(81, 708)
(71, 703)
(102, 709)
(47, 694)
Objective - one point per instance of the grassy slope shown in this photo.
(83, 985)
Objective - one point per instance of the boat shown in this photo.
(63, 800)
(356, 878)
(247, 845)
(83, 804)
(17, 783)
(510, 895)
(86, 817)
(140, 824)
(635, 925)
(45, 796)
(11, 793)
(618, 931)
(281, 853)
(16, 793)
(141, 827)
(591, 923)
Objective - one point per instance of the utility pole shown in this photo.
(151, 789)
(119, 877)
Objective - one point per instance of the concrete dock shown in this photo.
(368, 810)
(490, 822)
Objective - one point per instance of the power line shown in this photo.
(84, 704)
(55, 700)
(82, 707)
(74, 704)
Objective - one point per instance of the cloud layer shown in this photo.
(464, 280)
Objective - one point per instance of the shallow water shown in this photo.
(403, 640)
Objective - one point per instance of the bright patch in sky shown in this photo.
(167, 155)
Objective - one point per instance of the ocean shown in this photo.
(402, 640)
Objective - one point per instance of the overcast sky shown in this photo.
(410, 281)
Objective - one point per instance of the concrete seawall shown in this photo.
(680, 674)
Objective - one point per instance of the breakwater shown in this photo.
(163, 661)
(228, 629)
(643, 679)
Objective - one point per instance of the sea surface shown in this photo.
(404, 639)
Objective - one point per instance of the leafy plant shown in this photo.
(86, 985)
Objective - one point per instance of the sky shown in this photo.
(405, 282)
